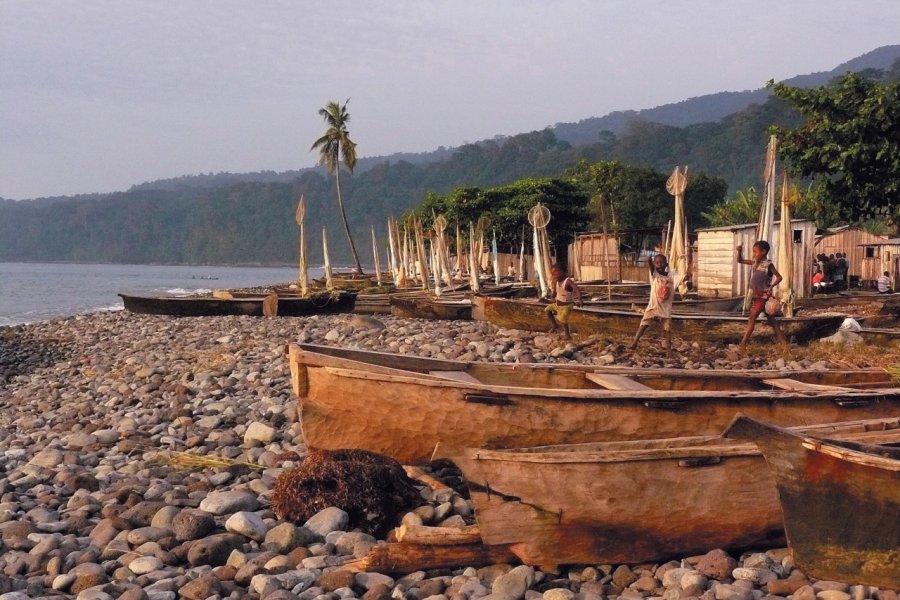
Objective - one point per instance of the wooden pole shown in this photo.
(375, 254)
(300, 217)
(329, 281)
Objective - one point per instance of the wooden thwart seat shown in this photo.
(462, 376)
(615, 382)
(786, 383)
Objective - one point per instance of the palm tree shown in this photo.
(334, 145)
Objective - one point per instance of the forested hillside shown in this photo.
(249, 218)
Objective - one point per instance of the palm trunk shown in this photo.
(337, 175)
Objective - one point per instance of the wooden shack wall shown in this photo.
(887, 258)
(718, 275)
(851, 241)
(595, 256)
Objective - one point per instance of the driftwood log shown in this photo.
(407, 558)
(437, 536)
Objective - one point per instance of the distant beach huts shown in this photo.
(865, 257)
(882, 256)
(718, 275)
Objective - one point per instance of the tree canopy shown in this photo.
(849, 143)
(636, 197)
(507, 208)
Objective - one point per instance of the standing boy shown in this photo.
(763, 279)
(566, 296)
(663, 282)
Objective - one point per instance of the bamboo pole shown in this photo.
(459, 252)
(329, 281)
(375, 254)
(496, 258)
(522, 268)
(420, 253)
(300, 217)
(392, 257)
(473, 268)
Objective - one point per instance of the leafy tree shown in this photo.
(334, 145)
(744, 207)
(636, 197)
(849, 143)
(507, 208)
(740, 209)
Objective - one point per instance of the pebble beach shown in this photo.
(111, 424)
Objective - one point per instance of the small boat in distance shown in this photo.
(223, 304)
(841, 501)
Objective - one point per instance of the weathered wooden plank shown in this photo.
(786, 383)
(615, 382)
(455, 376)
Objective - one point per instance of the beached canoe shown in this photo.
(432, 308)
(529, 315)
(689, 306)
(631, 501)
(402, 406)
(254, 306)
(841, 502)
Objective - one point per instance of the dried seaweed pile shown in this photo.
(372, 489)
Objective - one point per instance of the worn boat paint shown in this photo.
(631, 501)
(403, 406)
(840, 500)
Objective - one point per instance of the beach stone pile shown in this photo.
(111, 423)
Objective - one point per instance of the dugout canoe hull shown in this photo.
(207, 306)
(630, 501)
(841, 502)
(726, 328)
(403, 407)
(431, 308)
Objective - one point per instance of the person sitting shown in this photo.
(884, 283)
(818, 283)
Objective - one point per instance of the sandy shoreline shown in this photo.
(90, 401)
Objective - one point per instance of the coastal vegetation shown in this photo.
(617, 180)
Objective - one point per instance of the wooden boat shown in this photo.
(615, 287)
(432, 308)
(523, 314)
(632, 501)
(841, 502)
(402, 406)
(880, 337)
(688, 306)
(847, 299)
(255, 306)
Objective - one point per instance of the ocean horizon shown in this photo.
(31, 291)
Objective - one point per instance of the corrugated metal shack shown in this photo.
(717, 275)
(857, 244)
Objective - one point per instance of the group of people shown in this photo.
(830, 273)
(663, 283)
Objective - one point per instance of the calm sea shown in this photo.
(39, 291)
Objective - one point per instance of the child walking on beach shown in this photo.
(663, 282)
(567, 295)
(763, 279)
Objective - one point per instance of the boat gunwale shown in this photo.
(354, 355)
(606, 394)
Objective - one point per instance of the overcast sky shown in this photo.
(98, 95)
